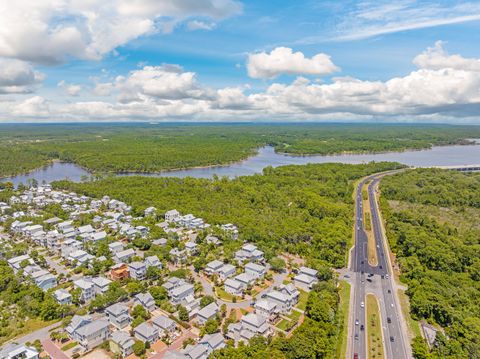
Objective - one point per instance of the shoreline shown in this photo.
(464, 142)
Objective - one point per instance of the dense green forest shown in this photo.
(300, 209)
(432, 224)
(156, 147)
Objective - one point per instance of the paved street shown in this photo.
(376, 280)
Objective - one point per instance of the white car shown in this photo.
(362, 304)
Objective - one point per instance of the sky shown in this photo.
(240, 60)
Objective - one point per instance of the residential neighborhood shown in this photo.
(150, 285)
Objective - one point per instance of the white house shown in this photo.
(213, 267)
(62, 297)
(153, 261)
(255, 270)
(101, 284)
(87, 289)
(118, 315)
(233, 287)
(124, 256)
(172, 215)
(266, 308)
(305, 278)
(137, 270)
(17, 351)
(115, 247)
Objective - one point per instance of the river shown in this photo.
(436, 156)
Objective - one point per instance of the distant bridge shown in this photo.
(464, 168)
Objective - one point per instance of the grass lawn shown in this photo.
(222, 294)
(295, 315)
(286, 281)
(344, 292)
(69, 346)
(302, 300)
(284, 324)
(374, 329)
(30, 326)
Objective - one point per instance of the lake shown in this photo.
(436, 156)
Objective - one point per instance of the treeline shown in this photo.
(152, 148)
(315, 338)
(23, 300)
(439, 260)
(305, 210)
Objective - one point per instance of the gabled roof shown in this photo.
(123, 339)
(163, 322)
(233, 283)
(213, 340)
(146, 330)
(101, 281)
(254, 319)
(93, 327)
(117, 309)
(208, 311)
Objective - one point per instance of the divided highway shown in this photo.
(376, 280)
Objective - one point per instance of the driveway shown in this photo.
(52, 350)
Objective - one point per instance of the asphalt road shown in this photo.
(377, 280)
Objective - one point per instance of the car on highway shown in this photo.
(357, 322)
(355, 356)
(389, 291)
(356, 336)
(362, 305)
(386, 276)
(389, 320)
(392, 339)
(369, 280)
(362, 327)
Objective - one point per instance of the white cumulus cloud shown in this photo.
(437, 58)
(283, 60)
(18, 76)
(49, 32)
(70, 89)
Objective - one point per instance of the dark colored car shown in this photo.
(362, 327)
(392, 339)
(355, 356)
(389, 320)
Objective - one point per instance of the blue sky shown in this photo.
(368, 43)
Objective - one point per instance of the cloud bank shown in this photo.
(442, 87)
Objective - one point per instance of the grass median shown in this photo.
(367, 225)
(374, 329)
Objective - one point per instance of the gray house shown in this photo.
(146, 333)
(164, 324)
(118, 315)
(206, 313)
